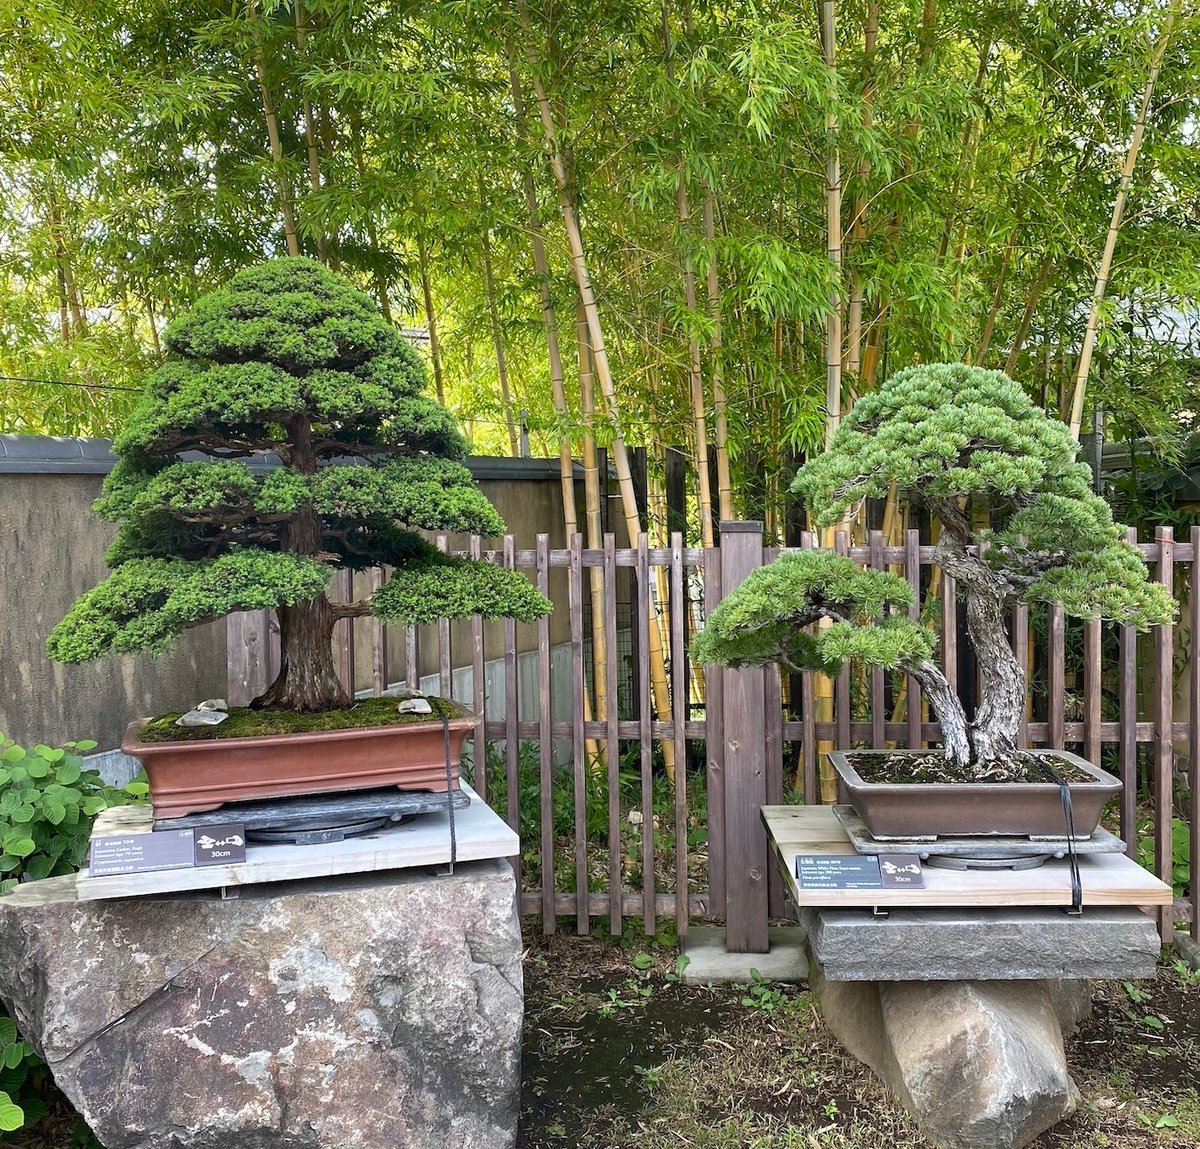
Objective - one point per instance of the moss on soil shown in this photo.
(246, 723)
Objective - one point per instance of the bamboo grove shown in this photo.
(620, 223)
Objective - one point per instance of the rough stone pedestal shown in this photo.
(379, 1012)
(979, 1064)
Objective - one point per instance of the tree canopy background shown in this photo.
(464, 161)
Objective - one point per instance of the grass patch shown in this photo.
(246, 723)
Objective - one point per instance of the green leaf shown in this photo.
(11, 1116)
(38, 768)
(13, 754)
(94, 805)
(85, 744)
(8, 1031)
(14, 1055)
(67, 773)
(55, 811)
(643, 961)
(21, 847)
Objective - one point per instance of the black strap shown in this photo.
(1064, 791)
(449, 791)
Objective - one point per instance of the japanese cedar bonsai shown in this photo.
(291, 359)
(1019, 523)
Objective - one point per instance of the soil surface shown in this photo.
(903, 767)
(246, 723)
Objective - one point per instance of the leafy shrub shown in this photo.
(48, 801)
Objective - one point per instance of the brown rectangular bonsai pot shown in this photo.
(203, 774)
(947, 809)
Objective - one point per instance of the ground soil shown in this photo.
(624, 1058)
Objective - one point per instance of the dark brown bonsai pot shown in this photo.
(948, 809)
(188, 777)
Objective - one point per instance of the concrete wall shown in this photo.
(51, 550)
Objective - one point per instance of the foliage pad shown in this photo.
(290, 359)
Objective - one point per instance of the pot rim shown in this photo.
(132, 744)
(1101, 779)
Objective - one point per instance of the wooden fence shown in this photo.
(753, 737)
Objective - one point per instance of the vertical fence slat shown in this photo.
(645, 739)
(841, 693)
(1164, 706)
(950, 631)
(379, 658)
(1091, 690)
(714, 743)
(679, 713)
(412, 659)
(808, 702)
(344, 592)
(1020, 627)
(248, 643)
(1056, 675)
(479, 691)
(747, 860)
(578, 743)
(878, 698)
(612, 740)
(445, 678)
(545, 743)
(1194, 734)
(512, 714)
(1127, 750)
(912, 688)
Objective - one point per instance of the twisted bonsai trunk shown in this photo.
(993, 732)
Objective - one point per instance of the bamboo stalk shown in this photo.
(1031, 302)
(310, 134)
(720, 415)
(431, 319)
(497, 335)
(274, 142)
(541, 268)
(592, 523)
(603, 373)
(1114, 226)
(833, 228)
(997, 296)
(859, 226)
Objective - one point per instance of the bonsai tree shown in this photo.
(290, 359)
(1019, 523)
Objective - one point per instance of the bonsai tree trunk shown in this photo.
(307, 680)
(944, 702)
(993, 732)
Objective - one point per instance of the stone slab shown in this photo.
(1187, 948)
(982, 944)
(425, 841)
(1101, 841)
(708, 960)
(376, 1011)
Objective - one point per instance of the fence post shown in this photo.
(743, 698)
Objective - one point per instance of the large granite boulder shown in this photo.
(979, 1064)
(378, 1012)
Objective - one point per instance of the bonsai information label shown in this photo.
(859, 871)
(167, 850)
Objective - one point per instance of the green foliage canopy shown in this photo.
(288, 358)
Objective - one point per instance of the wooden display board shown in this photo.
(1108, 879)
(425, 841)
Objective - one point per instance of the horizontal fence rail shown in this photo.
(615, 824)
